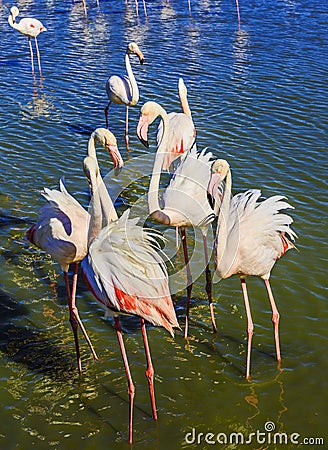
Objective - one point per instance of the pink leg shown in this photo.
(189, 6)
(127, 128)
(38, 55)
(145, 8)
(131, 388)
(75, 311)
(150, 369)
(189, 277)
(74, 323)
(209, 284)
(250, 327)
(275, 319)
(137, 9)
(238, 14)
(31, 53)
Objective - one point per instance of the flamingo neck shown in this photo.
(12, 22)
(95, 224)
(134, 87)
(153, 202)
(222, 228)
(184, 102)
(108, 209)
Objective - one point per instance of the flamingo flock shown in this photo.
(121, 261)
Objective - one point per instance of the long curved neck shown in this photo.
(153, 202)
(222, 225)
(102, 208)
(134, 86)
(184, 102)
(108, 209)
(12, 22)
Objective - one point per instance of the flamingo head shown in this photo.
(134, 48)
(14, 11)
(107, 139)
(148, 113)
(219, 172)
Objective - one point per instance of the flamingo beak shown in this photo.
(142, 130)
(140, 56)
(116, 158)
(214, 185)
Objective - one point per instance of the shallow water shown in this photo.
(258, 99)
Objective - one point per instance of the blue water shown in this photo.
(258, 98)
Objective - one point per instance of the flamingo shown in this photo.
(185, 199)
(182, 132)
(127, 275)
(250, 238)
(62, 231)
(30, 28)
(124, 90)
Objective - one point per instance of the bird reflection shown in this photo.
(241, 56)
(39, 105)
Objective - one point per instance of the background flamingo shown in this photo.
(181, 130)
(250, 238)
(62, 231)
(124, 90)
(30, 28)
(127, 275)
(186, 198)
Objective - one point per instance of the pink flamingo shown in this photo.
(127, 276)
(250, 238)
(30, 28)
(181, 130)
(123, 90)
(62, 231)
(186, 198)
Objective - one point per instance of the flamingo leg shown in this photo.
(31, 53)
(137, 9)
(208, 286)
(131, 388)
(275, 319)
(189, 6)
(150, 369)
(74, 323)
(189, 277)
(127, 128)
(106, 113)
(38, 55)
(145, 8)
(75, 311)
(238, 14)
(250, 327)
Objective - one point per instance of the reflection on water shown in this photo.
(241, 55)
(40, 104)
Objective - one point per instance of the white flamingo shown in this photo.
(30, 28)
(127, 276)
(181, 131)
(62, 231)
(250, 238)
(186, 198)
(122, 89)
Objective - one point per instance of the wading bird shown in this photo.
(186, 198)
(250, 238)
(127, 275)
(122, 89)
(62, 231)
(30, 28)
(181, 132)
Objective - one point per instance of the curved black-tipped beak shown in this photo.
(145, 143)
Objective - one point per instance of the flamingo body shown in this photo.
(127, 275)
(28, 26)
(251, 236)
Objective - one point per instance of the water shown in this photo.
(257, 99)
